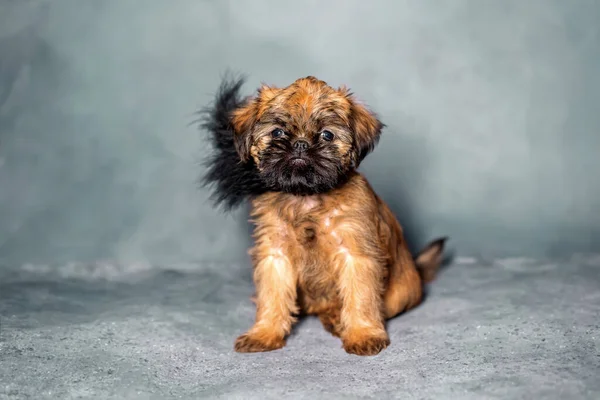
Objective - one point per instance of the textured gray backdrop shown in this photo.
(492, 111)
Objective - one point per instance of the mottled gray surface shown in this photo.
(507, 329)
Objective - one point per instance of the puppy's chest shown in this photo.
(308, 233)
(315, 234)
(309, 229)
(315, 246)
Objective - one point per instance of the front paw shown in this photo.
(365, 344)
(254, 342)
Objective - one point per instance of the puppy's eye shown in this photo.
(277, 133)
(328, 136)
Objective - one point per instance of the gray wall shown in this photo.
(493, 114)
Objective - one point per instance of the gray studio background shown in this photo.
(493, 114)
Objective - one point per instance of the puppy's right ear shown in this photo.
(242, 121)
(244, 118)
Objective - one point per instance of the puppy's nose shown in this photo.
(301, 145)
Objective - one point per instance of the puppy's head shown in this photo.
(305, 138)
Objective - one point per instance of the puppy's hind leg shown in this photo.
(405, 289)
(327, 309)
(331, 320)
(408, 275)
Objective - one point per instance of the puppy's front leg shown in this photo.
(275, 281)
(361, 288)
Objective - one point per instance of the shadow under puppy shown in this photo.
(325, 243)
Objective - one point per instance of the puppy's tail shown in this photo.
(230, 180)
(429, 259)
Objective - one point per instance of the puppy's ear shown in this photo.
(242, 121)
(367, 128)
(244, 118)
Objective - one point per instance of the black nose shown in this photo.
(301, 145)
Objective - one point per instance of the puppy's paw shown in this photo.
(254, 342)
(366, 344)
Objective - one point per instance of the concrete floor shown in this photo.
(502, 329)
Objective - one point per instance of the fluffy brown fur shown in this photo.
(325, 243)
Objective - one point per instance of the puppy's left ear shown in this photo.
(367, 129)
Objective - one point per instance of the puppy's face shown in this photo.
(304, 138)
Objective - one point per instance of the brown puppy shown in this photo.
(325, 243)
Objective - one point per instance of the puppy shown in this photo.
(325, 243)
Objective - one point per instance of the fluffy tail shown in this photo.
(429, 260)
(231, 181)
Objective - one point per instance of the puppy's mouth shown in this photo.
(298, 161)
(300, 173)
